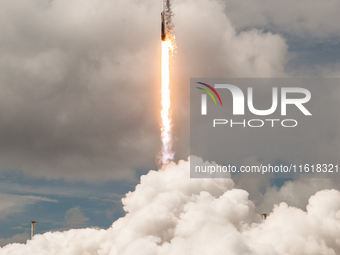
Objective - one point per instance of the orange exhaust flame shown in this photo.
(167, 153)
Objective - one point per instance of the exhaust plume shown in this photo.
(167, 154)
(171, 214)
(168, 42)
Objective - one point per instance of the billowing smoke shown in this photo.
(169, 213)
(168, 21)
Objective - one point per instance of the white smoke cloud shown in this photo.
(169, 213)
(18, 238)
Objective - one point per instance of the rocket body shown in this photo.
(163, 28)
(166, 7)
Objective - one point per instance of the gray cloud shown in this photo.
(299, 19)
(79, 81)
(75, 218)
(77, 96)
(310, 28)
(11, 204)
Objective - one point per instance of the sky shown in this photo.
(80, 98)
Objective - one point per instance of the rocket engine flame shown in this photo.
(168, 44)
(167, 153)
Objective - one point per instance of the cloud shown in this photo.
(311, 20)
(70, 106)
(310, 29)
(169, 213)
(75, 218)
(19, 238)
(210, 46)
(79, 81)
(79, 94)
(11, 204)
(215, 49)
(294, 193)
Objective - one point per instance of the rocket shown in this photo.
(163, 33)
(166, 7)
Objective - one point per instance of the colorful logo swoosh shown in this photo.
(208, 92)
